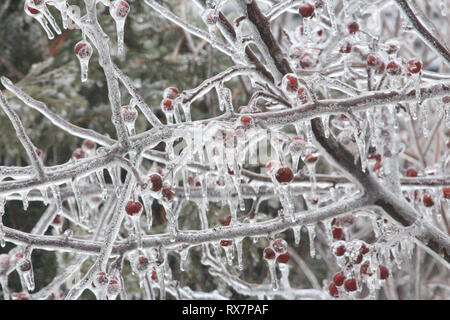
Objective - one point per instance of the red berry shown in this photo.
(38, 152)
(358, 259)
(284, 258)
(33, 10)
(78, 153)
(333, 290)
(411, 173)
(393, 68)
(306, 10)
(246, 120)
(269, 254)
(171, 93)
(338, 234)
(310, 158)
(428, 201)
(154, 276)
(89, 144)
(168, 193)
(339, 278)
(83, 49)
(350, 285)
(133, 208)
(122, 9)
(364, 249)
(142, 263)
(446, 192)
(100, 280)
(306, 61)
(167, 105)
(353, 27)
(384, 272)
(365, 268)
(340, 251)
(24, 265)
(284, 175)
(301, 93)
(279, 246)
(57, 219)
(346, 48)
(414, 66)
(292, 83)
(225, 243)
(156, 181)
(227, 221)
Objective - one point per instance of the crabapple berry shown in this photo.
(156, 182)
(340, 251)
(333, 290)
(339, 278)
(411, 173)
(306, 10)
(338, 234)
(284, 258)
(414, 66)
(446, 192)
(133, 208)
(428, 201)
(353, 27)
(171, 93)
(350, 285)
(284, 175)
(393, 68)
(383, 271)
(269, 254)
(279, 246)
(225, 243)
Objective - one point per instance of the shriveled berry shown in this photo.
(168, 193)
(89, 144)
(269, 254)
(338, 233)
(284, 175)
(133, 208)
(306, 10)
(78, 153)
(310, 158)
(167, 105)
(339, 278)
(365, 268)
(57, 219)
(364, 249)
(358, 259)
(428, 201)
(291, 83)
(227, 221)
(284, 258)
(142, 263)
(350, 285)
(156, 182)
(154, 276)
(384, 272)
(346, 48)
(32, 10)
(225, 243)
(333, 290)
(353, 27)
(171, 93)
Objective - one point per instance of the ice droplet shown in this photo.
(83, 51)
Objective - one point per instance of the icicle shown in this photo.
(330, 9)
(45, 195)
(297, 234)
(101, 180)
(25, 270)
(78, 199)
(284, 280)
(443, 6)
(83, 51)
(61, 5)
(425, 130)
(312, 236)
(119, 11)
(129, 115)
(273, 274)
(326, 124)
(183, 257)
(148, 201)
(25, 200)
(57, 196)
(238, 244)
(114, 179)
(39, 16)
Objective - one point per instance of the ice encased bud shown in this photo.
(119, 11)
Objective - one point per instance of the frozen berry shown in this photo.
(24, 265)
(346, 48)
(339, 278)
(365, 268)
(338, 233)
(333, 290)
(89, 144)
(340, 251)
(269, 254)
(358, 259)
(411, 173)
(167, 105)
(168, 193)
(384, 272)
(291, 83)
(122, 9)
(428, 201)
(284, 175)
(133, 208)
(279, 246)
(393, 68)
(83, 50)
(227, 221)
(310, 158)
(350, 285)
(225, 243)
(364, 249)
(171, 93)
(284, 258)
(353, 27)
(414, 66)
(154, 275)
(156, 182)
(306, 10)
(446, 193)
(78, 153)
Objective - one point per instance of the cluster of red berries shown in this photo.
(133, 208)
(393, 68)
(168, 96)
(277, 251)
